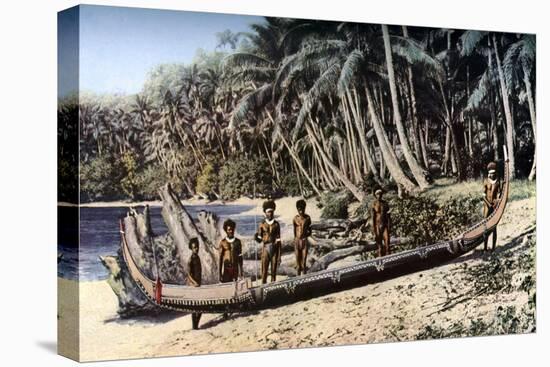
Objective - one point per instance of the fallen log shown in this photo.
(182, 228)
(324, 246)
(323, 262)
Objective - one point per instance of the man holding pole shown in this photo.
(269, 234)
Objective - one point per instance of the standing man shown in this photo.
(302, 230)
(231, 258)
(381, 223)
(492, 188)
(269, 234)
(194, 275)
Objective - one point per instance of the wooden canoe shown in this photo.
(241, 295)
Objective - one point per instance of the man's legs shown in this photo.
(298, 253)
(274, 266)
(494, 239)
(265, 265)
(195, 318)
(386, 234)
(304, 256)
(378, 239)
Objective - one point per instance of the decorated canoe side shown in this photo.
(241, 295)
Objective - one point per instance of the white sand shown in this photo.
(393, 310)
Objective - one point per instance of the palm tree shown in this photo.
(470, 41)
(518, 66)
(417, 171)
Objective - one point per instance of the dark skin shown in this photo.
(194, 280)
(227, 254)
(381, 225)
(302, 223)
(266, 258)
(491, 193)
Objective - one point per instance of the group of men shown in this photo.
(230, 264)
(230, 260)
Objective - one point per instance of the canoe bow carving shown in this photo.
(241, 295)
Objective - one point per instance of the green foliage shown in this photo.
(335, 204)
(67, 174)
(161, 79)
(100, 179)
(239, 175)
(207, 182)
(130, 181)
(426, 220)
(152, 178)
(522, 189)
(291, 186)
(505, 273)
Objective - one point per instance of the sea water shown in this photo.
(99, 235)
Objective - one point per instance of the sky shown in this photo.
(119, 46)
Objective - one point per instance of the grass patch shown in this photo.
(446, 189)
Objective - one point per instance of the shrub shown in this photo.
(291, 186)
(335, 204)
(425, 219)
(100, 179)
(243, 176)
(151, 179)
(131, 181)
(207, 182)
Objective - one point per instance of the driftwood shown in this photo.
(323, 262)
(182, 228)
(324, 246)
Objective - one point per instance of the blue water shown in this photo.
(99, 235)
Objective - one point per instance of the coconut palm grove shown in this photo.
(303, 107)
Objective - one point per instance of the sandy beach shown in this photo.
(397, 309)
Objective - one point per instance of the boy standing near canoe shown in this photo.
(269, 234)
(302, 230)
(492, 188)
(194, 275)
(230, 263)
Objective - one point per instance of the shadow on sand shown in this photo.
(144, 320)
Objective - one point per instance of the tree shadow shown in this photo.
(220, 319)
(48, 345)
(513, 243)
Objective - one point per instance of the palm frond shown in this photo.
(470, 41)
(322, 87)
(244, 59)
(252, 101)
(351, 67)
(415, 53)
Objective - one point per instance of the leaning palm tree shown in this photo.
(417, 171)
(519, 67)
(471, 41)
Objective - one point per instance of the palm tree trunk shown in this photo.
(417, 171)
(295, 157)
(532, 114)
(507, 113)
(363, 139)
(387, 154)
(423, 148)
(359, 195)
(271, 163)
(349, 137)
